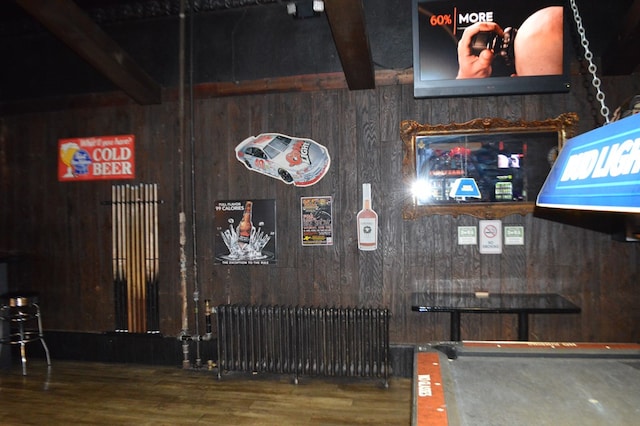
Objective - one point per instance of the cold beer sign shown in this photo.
(96, 158)
(598, 170)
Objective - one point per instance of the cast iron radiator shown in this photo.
(327, 341)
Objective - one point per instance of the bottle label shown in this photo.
(367, 231)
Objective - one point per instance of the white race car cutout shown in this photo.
(299, 161)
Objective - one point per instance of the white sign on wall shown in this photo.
(514, 235)
(467, 235)
(490, 236)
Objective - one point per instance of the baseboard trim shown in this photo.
(156, 349)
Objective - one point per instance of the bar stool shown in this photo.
(22, 313)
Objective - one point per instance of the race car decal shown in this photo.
(292, 160)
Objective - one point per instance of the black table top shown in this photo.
(492, 302)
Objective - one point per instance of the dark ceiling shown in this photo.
(45, 42)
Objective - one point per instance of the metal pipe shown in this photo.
(207, 315)
(182, 219)
(183, 293)
(194, 239)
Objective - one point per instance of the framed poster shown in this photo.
(316, 221)
(245, 232)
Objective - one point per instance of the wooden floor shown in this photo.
(115, 394)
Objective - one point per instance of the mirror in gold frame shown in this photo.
(486, 167)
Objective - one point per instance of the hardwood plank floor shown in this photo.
(122, 394)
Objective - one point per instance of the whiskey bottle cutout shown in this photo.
(245, 226)
(367, 222)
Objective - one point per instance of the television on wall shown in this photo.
(490, 47)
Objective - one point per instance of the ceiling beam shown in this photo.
(346, 19)
(70, 24)
(623, 56)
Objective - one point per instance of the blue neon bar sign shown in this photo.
(598, 170)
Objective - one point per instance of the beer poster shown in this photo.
(317, 225)
(96, 158)
(245, 232)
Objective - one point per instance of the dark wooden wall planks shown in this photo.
(64, 229)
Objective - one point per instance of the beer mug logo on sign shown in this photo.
(77, 160)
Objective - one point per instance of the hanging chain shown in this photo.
(604, 110)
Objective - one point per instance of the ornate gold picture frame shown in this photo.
(502, 163)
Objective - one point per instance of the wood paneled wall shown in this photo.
(64, 229)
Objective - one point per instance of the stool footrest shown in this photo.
(17, 338)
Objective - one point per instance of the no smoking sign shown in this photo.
(490, 237)
(490, 231)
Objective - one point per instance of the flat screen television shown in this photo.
(490, 47)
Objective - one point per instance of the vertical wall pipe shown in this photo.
(182, 217)
(194, 239)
